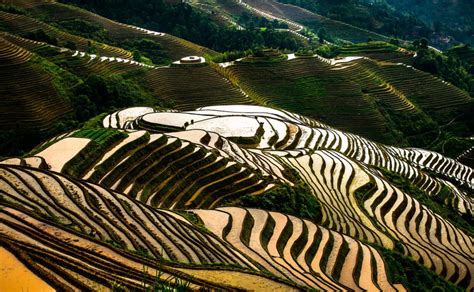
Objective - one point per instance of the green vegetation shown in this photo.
(89, 97)
(95, 122)
(18, 141)
(83, 28)
(12, 9)
(99, 94)
(251, 22)
(101, 141)
(183, 21)
(96, 94)
(450, 21)
(264, 56)
(413, 276)
(171, 283)
(144, 49)
(41, 36)
(415, 128)
(327, 51)
(464, 53)
(229, 56)
(451, 146)
(447, 66)
(381, 17)
(297, 200)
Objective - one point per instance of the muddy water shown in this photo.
(15, 276)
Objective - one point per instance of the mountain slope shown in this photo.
(30, 100)
(348, 175)
(68, 223)
(164, 165)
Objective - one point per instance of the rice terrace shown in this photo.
(236, 145)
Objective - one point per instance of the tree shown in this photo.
(137, 56)
(322, 35)
(70, 45)
(424, 43)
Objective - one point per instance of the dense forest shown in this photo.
(449, 66)
(398, 21)
(183, 21)
(453, 18)
(250, 21)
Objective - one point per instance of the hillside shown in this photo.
(31, 102)
(370, 96)
(451, 18)
(229, 145)
(275, 143)
(334, 28)
(443, 23)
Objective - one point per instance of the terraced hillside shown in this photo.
(189, 87)
(77, 235)
(283, 244)
(335, 28)
(272, 130)
(313, 86)
(25, 26)
(162, 170)
(274, 171)
(336, 174)
(29, 100)
(379, 51)
(183, 86)
(174, 48)
(211, 157)
(45, 214)
(378, 99)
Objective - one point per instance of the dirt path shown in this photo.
(240, 280)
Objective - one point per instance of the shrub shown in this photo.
(297, 200)
(412, 275)
(41, 36)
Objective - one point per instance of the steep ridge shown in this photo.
(313, 94)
